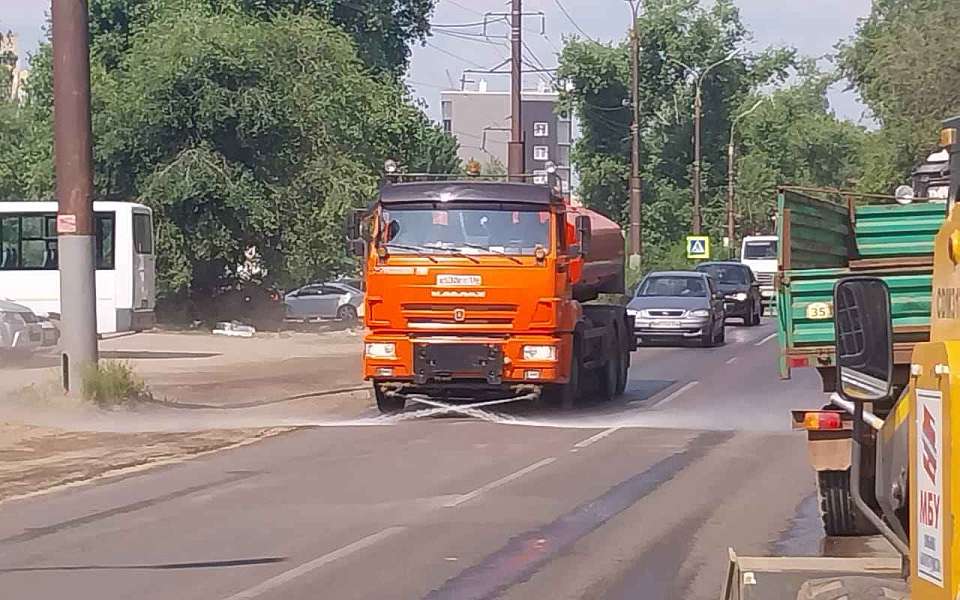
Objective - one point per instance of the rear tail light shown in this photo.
(822, 420)
(797, 362)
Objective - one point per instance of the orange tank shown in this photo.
(603, 268)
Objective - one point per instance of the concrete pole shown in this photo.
(516, 151)
(636, 206)
(73, 155)
(697, 109)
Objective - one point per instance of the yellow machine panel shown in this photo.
(935, 494)
(945, 308)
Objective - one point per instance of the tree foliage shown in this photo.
(382, 31)
(242, 133)
(905, 62)
(679, 40)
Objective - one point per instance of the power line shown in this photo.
(456, 56)
(469, 10)
(456, 25)
(574, 23)
(476, 38)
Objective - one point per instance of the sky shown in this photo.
(811, 26)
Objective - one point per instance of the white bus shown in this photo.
(125, 262)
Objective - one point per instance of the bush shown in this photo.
(111, 383)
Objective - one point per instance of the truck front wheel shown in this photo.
(840, 517)
(388, 404)
(567, 394)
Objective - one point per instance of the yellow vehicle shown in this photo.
(916, 487)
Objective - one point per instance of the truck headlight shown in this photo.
(702, 313)
(381, 350)
(540, 353)
(740, 297)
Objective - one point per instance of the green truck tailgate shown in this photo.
(821, 244)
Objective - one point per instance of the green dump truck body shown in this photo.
(826, 237)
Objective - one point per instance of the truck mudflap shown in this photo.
(812, 578)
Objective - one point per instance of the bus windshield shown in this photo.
(513, 231)
(765, 250)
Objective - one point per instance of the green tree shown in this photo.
(793, 138)
(905, 63)
(673, 34)
(382, 31)
(241, 133)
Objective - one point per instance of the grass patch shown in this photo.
(111, 383)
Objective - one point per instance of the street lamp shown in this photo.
(636, 207)
(731, 172)
(697, 117)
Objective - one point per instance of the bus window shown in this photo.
(38, 249)
(142, 234)
(9, 242)
(105, 242)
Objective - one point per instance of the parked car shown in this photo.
(20, 328)
(678, 305)
(334, 300)
(741, 290)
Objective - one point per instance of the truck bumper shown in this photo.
(480, 361)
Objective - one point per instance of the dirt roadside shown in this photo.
(47, 440)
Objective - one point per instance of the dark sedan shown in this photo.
(740, 289)
(679, 305)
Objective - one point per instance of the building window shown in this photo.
(540, 177)
(541, 129)
(563, 155)
(563, 132)
(541, 153)
(447, 126)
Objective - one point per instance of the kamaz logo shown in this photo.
(459, 315)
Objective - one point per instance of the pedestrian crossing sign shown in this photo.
(698, 246)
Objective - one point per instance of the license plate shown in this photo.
(666, 324)
(458, 280)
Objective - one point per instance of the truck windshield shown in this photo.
(688, 287)
(468, 230)
(760, 250)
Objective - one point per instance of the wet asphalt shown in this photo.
(636, 498)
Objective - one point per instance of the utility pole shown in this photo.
(697, 117)
(731, 178)
(697, 109)
(636, 206)
(515, 154)
(73, 156)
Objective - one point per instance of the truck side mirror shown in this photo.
(584, 233)
(864, 338)
(355, 224)
(357, 248)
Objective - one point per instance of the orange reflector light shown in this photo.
(798, 361)
(816, 421)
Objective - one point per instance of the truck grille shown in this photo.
(446, 316)
(765, 278)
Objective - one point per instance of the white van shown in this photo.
(759, 252)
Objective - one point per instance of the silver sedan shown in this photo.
(20, 329)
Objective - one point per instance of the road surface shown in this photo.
(639, 498)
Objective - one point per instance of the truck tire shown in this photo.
(854, 587)
(624, 367)
(388, 404)
(609, 376)
(566, 394)
(840, 517)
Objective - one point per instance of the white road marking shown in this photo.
(287, 576)
(732, 360)
(495, 484)
(677, 394)
(593, 439)
(766, 339)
